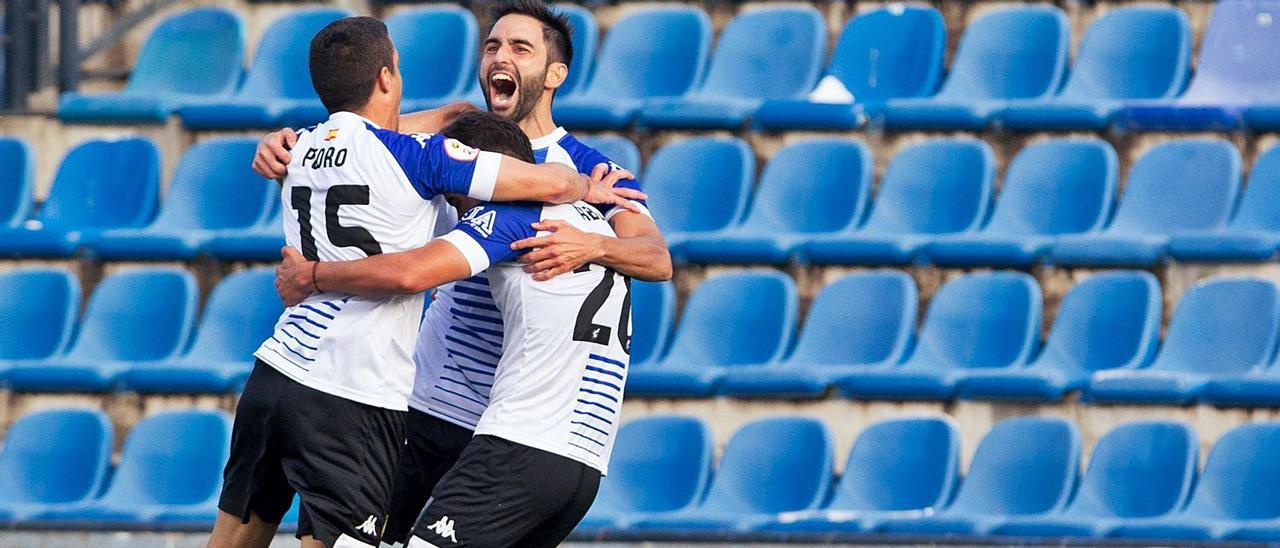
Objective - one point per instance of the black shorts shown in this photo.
(431, 448)
(501, 493)
(337, 454)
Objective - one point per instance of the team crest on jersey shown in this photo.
(482, 222)
(458, 151)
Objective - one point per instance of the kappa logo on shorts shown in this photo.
(444, 528)
(369, 527)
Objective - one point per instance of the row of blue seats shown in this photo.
(1010, 69)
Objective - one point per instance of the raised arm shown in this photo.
(434, 120)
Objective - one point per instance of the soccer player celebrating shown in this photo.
(322, 413)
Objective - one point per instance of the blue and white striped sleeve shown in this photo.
(485, 234)
(435, 164)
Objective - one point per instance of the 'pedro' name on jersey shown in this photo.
(356, 190)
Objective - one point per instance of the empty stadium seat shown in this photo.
(278, 80)
(17, 180)
(213, 189)
(1007, 54)
(1138, 470)
(170, 471)
(585, 35)
(1109, 321)
(162, 80)
(241, 313)
(257, 243)
(978, 322)
(1223, 327)
(133, 317)
(1134, 52)
(896, 468)
(861, 322)
(1051, 188)
(633, 66)
(100, 185)
(619, 150)
(53, 458)
(941, 186)
(765, 53)
(660, 464)
(653, 311)
(810, 187)
(772, 465)
(1025, 466)
(1238, 65)
(680, 177)
(38, 309)
(1253, 234)
(886, 53)
(731, 320)
(1182, 185)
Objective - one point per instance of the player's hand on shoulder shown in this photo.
(563, 250)
(271, 160)
(293, 277)
(601, 190)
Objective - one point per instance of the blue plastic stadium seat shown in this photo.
(1254, 231)
(100, 185)
(633, 67)
(170, 472)
(1138, 470)
(163, 79)
(1183, 185)
(39, 307)
(585, 37)
(941, 186)
(762, 54)
(1130, 53)
(981, 321)
(860, 322)
(1008, 54)
(241, 313)
(1223, 328)
(896, 468)
(810, 187)
(653, 311)
(213, 189)
(886, 53)
(261, 242)
(681, 175)
(1238, 66)
(1109, 321)
(438, 46)
(1055, 187)
(1026, 466)
(772, 465)
(619, 150)
(732, 320)
(133, 317)
(660, 464)
(17, 181)
(53, 458)
(278, 81)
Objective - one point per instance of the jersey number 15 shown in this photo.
(339, 236)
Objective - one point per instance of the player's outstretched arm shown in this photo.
(434, 120)
(557, 184)
(402, 273)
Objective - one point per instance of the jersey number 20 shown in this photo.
(586, 330)
(339, 236)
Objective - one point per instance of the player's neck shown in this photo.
(539, 123)
(385, 118)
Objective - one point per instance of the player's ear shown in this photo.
(557, 73)
(386, 80)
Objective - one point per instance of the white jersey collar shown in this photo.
(549, 139)
(347, 115)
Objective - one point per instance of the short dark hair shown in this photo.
(557, 32)
(346, 58)
(487, 131)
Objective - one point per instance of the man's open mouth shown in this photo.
(502, 90)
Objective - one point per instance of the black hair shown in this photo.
(487, 131)
(557, 32)
(346, 58)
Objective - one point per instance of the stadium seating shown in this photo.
(634, 66)
(585, 36)
(861, 322)
(1253, 234)
(1129, 53)
(810, 187)
(1025, 466)
(162, 80)
(1007, 54)
(1182, 185)
(100, 185)
(38, 309)
(133, 317)
(940, 186)
(653, 310)
(897, 468)
(213, 189)
(17, 181)
(660, 464)
(681, 175)
(766, 53)
(278, 81)
(956, 338)
(619, 150)
(53, 458)
(886, 53)
(732, 320)
(1224, 327)
(1051, 188)
(257, 243)
(755, 481)
(1138, 470)
(241, 313)
(1109, 321)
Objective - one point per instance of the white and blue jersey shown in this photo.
(355, 190)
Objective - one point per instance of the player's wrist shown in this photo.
(315, 282)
